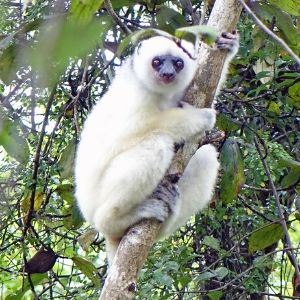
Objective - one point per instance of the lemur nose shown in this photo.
(168, 75)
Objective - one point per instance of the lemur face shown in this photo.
(164, 67)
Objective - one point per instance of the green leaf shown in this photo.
(206, 33)
(283, 22)
(8, 63)
(294, 90)
(36, 279)
(61, 41)
(163, 278)
(216, 295)
(12, 140)
(211, 242)
(233, 171)
(294, 95)
(134, 38)
(289, 163)
(38, 201)
(75, 218)
(66, 160)
(221, 272)
(171, 266)
(290, 179)
(264, 237)
(117, 4)
(274, 108)
(205, 276)
(66, 192)
(297, 216)
(262, 262)
(88, 269)
(168, 19)
(83, 11)
(294, 172)
(225, 123)
(290, 6)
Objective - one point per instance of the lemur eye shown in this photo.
(156, 62)
(179, 64)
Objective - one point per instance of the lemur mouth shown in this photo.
(167, 79)
(164, 79)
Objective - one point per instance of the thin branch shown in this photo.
(76, 98)
(255, 188)
(277, 295)
(262, 215)
(203, 12)
(36, 161)
(29, 275)
(237, 243)
(270, 32)
(242, 274)
(188, 7)
(280, 211)
(115, 17)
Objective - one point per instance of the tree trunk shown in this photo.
(135, 245)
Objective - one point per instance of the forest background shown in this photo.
(56, 60)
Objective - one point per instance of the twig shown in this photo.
(187, 5)
(277, 295)
(29, 275)
(280, 211)
(286, 134)
(270, 32)
(210, 267)
(115, 17)
(204, 11)
(76, 98)
(262, 215)
(255, 188)
(225, 286)
(36, 161)
(99, 74)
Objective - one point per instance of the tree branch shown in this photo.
(291, 253)
(270, 33)
(135, 245)
(36, 161)
(115, 17)
(187, 6)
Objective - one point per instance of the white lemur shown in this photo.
(127, 143)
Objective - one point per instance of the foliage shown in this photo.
(56, 61)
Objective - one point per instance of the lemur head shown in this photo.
(164, 67)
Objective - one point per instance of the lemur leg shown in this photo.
(195, 187)
(128, 181)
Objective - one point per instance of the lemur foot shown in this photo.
(168, 193)
(161, 203)
(228, 41)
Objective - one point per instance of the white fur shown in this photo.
(127, 144)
